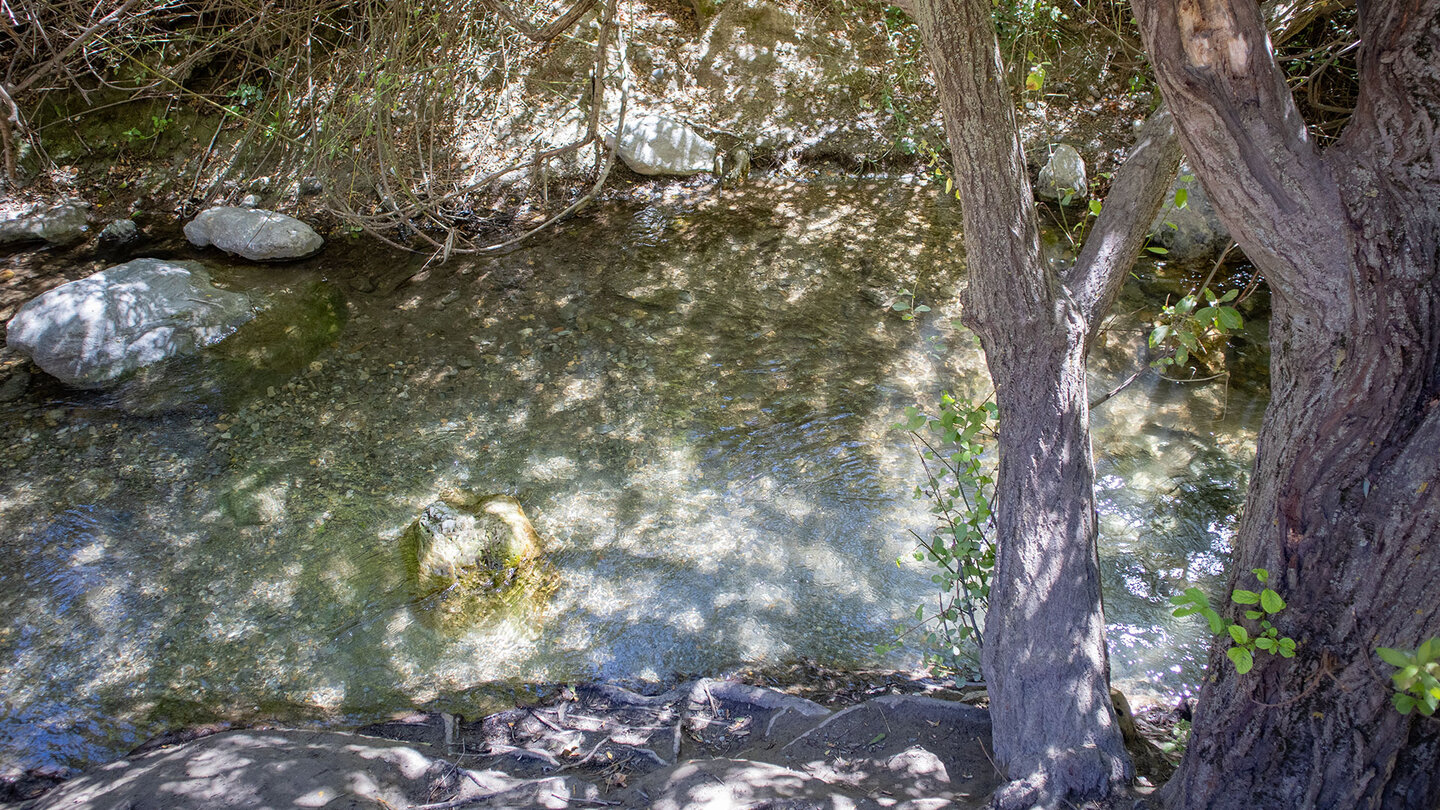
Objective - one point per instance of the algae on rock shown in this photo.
(470, 555)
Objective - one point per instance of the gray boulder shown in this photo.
(1063, 174)
(653, 144)
(1192, 232)
(59, 224)
(117, 236)
(253, 233)
(95, 331)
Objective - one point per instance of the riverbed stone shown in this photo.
(253, 233)
(62, 223)
(478, 557)
(1192, 232)
(461, 533)
(95, 331)
(118, 235)
(654, 144)
(1063, 174)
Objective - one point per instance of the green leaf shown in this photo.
(1428, 651)
(1271, 601)
(1230, 318)
(1244, 661)
(1266, 644)
(1238, 633)
(1403, 702)
(1095, 207)
(899, 306)
(1229, 296)
(1217, 624)
(922, 308)
(1244, 597)
(1205, 315)
(1159, 251)
(1253, 614)
(1261, 574)
(1287, 647)
(1182, 196)
(1394, 658)
(1182, 355)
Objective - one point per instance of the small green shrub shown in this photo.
(959, 490)
(1245, 642)
(1416, 677)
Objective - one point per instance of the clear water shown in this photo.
(692, 399)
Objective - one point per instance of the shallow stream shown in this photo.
(693, 400)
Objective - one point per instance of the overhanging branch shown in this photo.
(1138, 191)
(551, 30)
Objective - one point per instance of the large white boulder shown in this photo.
(654, 144)
(1063, 175)
(253, 233)
(95, 331)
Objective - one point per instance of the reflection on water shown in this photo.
(691, 399)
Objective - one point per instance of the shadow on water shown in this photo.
(691, 399)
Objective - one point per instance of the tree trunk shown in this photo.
(1045, 661)
(1343, 507)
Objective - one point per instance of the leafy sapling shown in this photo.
(1245, 643)
(1416, 677)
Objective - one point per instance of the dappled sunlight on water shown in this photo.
(692, 400)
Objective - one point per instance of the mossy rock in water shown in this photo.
(470, 557)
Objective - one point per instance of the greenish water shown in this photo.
(692, 398)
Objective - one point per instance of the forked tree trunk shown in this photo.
(1045, 660)
(1344, 501)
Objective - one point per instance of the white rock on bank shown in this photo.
(58, 224)
(253, 233)
(653, 144)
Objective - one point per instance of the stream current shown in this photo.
(692, 398)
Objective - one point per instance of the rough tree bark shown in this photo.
(1344, 500)
(1045, 661)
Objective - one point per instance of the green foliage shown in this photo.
(1176, 739)
(1245, 643)
(960, 492)
(1416, 677)
(158, 124)
(907, 307)
(1184, 327)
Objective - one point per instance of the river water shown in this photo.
(692, 397)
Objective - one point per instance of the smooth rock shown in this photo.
(250, 201)
(1191, 233)
(93, 332)
(118, 235)
(653, 144)
(60, 224)
(253, 233)
(1062, 175)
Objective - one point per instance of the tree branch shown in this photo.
(552, 29)
(1139, 189)
(1244, 135)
